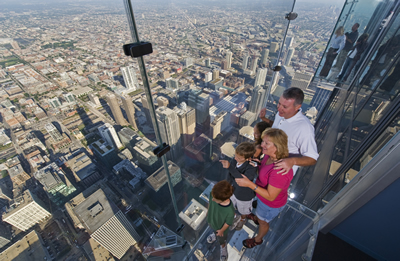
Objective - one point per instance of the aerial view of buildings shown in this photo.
(82, 177)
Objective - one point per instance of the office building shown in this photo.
(53, 132)
(215, 126)
(106, 223)
(254, 64)
(94, 99)
(274, 47)
(26, 211)
(28, 247)
(172, 84)
(84, 169)
(162, 101)
(215, 74)
(301, 80)
(207, 77)
(115, 109)
(264, 56)
(169, 130)
(107, 132)
(187, 122)
(228, 60)
(141, 149)
(208, 62)
(69, 97)
(188, 62)
(289, 56)
(105, 153)
(55, 102)
(130, 79)
(320, 97)
(55, 183)
(247, 118)
(201, 102)
(194, 214)
(245, 63)
(289, 41)
(198, 152)
(260, 77)
(129, 110)
(157, 182)
(257, 100)
(246, 133)
(146, 110)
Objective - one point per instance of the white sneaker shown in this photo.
(211, 238)
(224, 253)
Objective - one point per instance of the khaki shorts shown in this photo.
(243, 207)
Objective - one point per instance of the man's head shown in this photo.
(244, 151)
(355, 27)
(290, 102)
(222, 191)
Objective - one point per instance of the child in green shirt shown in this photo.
(220, 214)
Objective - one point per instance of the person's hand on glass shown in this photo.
(244, 182)
(284, 165)
(225, 164)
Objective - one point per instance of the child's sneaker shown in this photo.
(211, 238)
(236, 221)
(224, 253)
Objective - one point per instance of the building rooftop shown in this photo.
(82, 166)
(102, 147)
(194, 214)
(159, 177)
(49, 176)
(18, 203)
(95, 210)
(247, 131)
(28, 248)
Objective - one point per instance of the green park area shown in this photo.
(59, 45)
(9, 61)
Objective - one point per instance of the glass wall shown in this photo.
(359, 121)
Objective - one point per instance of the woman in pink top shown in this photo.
(271, 187)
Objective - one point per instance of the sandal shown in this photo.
(251, 242)
(211, 238)
(253, 217)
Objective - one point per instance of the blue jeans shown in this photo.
(346, 65)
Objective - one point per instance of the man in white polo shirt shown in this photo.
(300, 131)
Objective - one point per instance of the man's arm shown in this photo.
(263, 112)
(287, 164)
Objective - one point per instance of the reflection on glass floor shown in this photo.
(284, 233)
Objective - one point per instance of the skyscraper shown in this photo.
(289, 41)
(257, 99)
(264, 56)
(130, 78)
(106, 223)
(107, 132)
(115, 109)
(187, 122)
(229, 59)
(172, 84)
(129, 109)
(201, 102)
(246, 58)
(93, 98)
(254, 64)
(215, 74)
(260, 77)
(146, 109)
(169, 128)
(208, 62)
(289, 56)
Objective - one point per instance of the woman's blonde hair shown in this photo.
(340, 31)
(280, 140)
